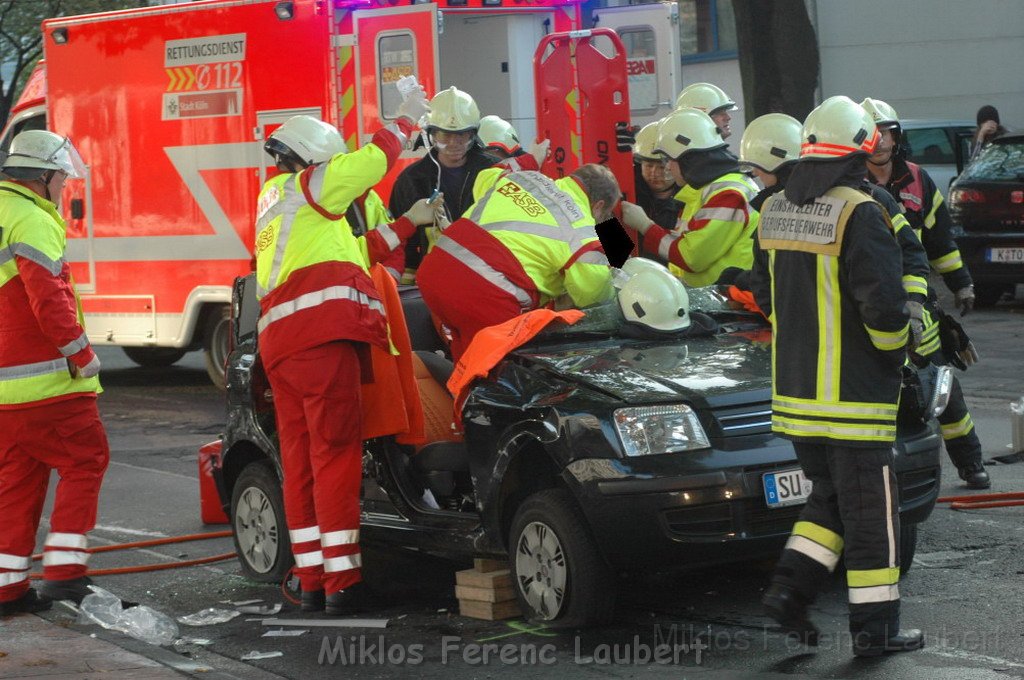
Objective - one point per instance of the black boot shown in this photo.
(74, 589)
(903, 641)
(788, 608)
(29, 603)
(354, 599)
(975, 476)
(313, 601)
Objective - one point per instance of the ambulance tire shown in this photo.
(216, 333)
(560, 578)
(154, 357)
(258, 525)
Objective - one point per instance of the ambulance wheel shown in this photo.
(258, 525)
(216, 332)
(154, 357)
(560, 578)
(908, 546)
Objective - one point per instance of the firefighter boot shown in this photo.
(902, 641)
(73, 589)
(29, 603)
(354, 599)
(975, 476)
(313, 601)
(788, 608)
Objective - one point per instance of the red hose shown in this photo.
(984, 500)
(994, 504)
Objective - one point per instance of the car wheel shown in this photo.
(154, 357)
(258, 523)
(908, 546)
(561, 579)
(986, 295)
(215, 344)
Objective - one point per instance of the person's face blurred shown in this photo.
(722, 119)
(452, 147)
(883, 150)
(676, 172)
(55, 187)
(767, 179)
(657, 175)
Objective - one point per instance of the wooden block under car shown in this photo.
(489, 611)
(503, 594)
(491, 579)
(486, 565)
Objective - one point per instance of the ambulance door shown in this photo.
(651, 36)
(391, 43)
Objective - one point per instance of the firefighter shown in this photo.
(838, 344)
(769, 150)
(655, 187)
(319, 312)
(910, 185)
(450, 167)
(710, 99)
(48, 382)
(717, 222)
(527, 241)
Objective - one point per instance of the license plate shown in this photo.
(1005, 255)
(788, 487)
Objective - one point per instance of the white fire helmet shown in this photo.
(657, 300)
(310, 140)
(45, 150)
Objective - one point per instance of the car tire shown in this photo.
(908, 546)
(154, 357)
(258, 524)
(560, 578)
(987, 295)
(216, 332)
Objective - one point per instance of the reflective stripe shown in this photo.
(397, 132)
(948, 263)
(27, 252)
(811, 407)
(389, 236)
(665, 246)
(319, 297)
(346, 537)
(815, 551)
(6, 256)
(576, 238)
(343, 563)
(723, 214)
(899, 221)
(481, 205)
(56, 558)
(288, 206)
(745, 189)
(874, 594)
(958, 429)
(73, 541)
(15, 562)
(560, 204)
(831, 429)
(929, 219)
(820, 535)
(10, 578)
(867, 578)
(309, 559)
(316, 181)
(395, 274)
(593, 257)
(915, 284)
(890, 530)
(829, 339)
(484, 270)
(75, 346)
(888, 340)
(304, 535)
(32, 370)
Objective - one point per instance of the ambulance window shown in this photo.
(30, 123)
(396, 57)
(641, 62)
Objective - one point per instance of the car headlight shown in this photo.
(648, 430)
(943, 388)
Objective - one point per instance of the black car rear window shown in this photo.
(998, 161)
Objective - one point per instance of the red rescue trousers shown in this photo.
(66, 436)
(464, 301)
(319, 422)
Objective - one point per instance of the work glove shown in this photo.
(89, 370)
(423, 211)
(968, 355)
(916, 311)
(625, 136)
(539, 150)
(956, 345)
(414, 104)
(634, 217)
(964, 300)
(441, 221)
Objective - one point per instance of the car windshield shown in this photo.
(998, 161)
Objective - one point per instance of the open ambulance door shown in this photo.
(388, 43)
(650, 34)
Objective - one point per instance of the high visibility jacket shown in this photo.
(380, 235)
(311, 274)
(41, 324)
(713, 232)
(533, 237)
(928, 214)
(840, 327)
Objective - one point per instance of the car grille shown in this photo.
(917, 484)
(746, 419)
(747, 517)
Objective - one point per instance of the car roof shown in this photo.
(1009, 137)
(927, 123)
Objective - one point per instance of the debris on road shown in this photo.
(209, 617)
(256, 656)
(267, 610)
(281, 632)
(329, 623)
(140, 622)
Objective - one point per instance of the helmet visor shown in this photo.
(68, 160)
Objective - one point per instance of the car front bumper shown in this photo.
(974, 248)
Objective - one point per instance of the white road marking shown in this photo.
(194, 480)
(984, 659)
(129, 532)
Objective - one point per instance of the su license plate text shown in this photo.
(788, 487)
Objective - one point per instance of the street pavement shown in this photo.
(963, 589)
